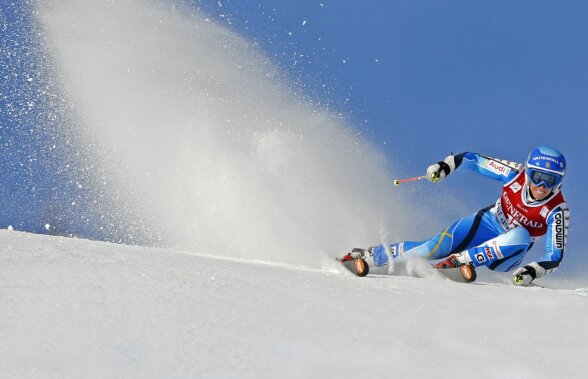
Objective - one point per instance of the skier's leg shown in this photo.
(463, 234)
(502, 253)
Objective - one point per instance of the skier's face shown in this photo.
(539, 192)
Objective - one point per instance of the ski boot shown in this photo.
(451, 261)
(355, 261)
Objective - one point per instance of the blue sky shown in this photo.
(420, 79)
(425, 78)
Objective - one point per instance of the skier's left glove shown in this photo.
(434, 173)
(523, 276)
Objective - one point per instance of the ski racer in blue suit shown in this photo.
(498, 237)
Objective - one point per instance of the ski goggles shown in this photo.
(542, 178)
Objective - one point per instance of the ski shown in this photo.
(357, 266)
(462, 274)
(355, 262)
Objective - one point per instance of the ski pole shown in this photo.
(397, 182)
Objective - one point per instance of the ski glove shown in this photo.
(438, 171)
(523, 276)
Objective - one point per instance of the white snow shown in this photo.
(81, 309)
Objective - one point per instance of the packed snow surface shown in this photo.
(81, 309)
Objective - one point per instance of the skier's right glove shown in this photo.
(438, 171)
(523, 276)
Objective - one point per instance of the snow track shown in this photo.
(74, 308)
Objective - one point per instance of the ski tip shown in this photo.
(358, 266)
(361, 267)
(468, 273)
(461, 274)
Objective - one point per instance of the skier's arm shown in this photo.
(555, 245)
(493, 168)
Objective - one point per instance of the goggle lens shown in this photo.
(545, 179)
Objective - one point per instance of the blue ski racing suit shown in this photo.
(497, 236)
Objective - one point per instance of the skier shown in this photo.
(498, 237)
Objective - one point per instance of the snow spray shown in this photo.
(198, 132)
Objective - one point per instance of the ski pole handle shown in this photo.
(398, 182)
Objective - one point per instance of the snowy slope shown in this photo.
(80, 309)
